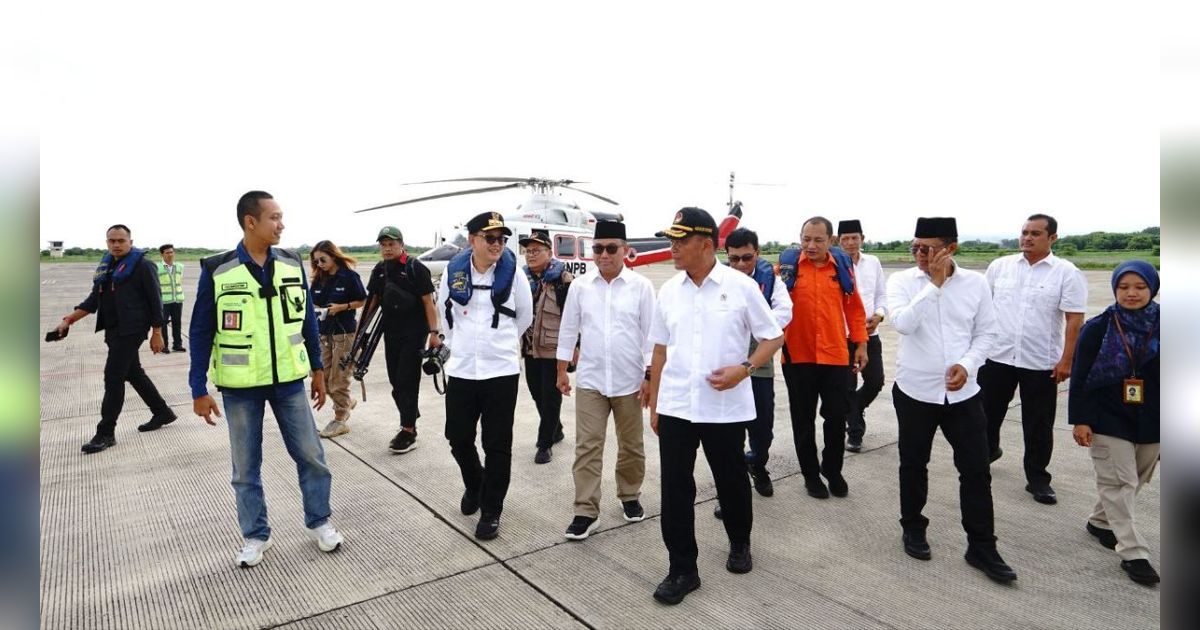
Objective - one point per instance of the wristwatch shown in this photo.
(749, 368)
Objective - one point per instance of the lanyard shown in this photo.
(1129, 351)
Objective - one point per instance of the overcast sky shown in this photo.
(161, 119)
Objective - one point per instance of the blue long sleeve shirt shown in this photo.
(203, 330)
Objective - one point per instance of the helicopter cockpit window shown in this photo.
(585, 248)
(564, 247)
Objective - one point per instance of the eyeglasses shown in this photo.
(611, 248)
(320, 260)
(924, 249)
(734, 260)
(534, 251)
(492, 240)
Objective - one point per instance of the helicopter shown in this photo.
(570, 226)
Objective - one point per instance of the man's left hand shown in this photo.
(956, 377)
(1062, 371)
(860, 358)
(728, 377)
(156, 341)
(873, 323)
(644, 394)
(318, 388)
(435, 340)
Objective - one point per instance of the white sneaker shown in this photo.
(252, 552)
(328, 538)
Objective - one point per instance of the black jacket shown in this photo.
(138, 301)
(1104, 409)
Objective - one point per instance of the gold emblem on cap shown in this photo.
(678, 216)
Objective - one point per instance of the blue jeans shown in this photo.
(244, 414)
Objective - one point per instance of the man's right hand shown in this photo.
(563, 383)
(204, 407)
(939, 267)
(62, 327)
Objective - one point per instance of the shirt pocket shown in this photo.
(1044, 296)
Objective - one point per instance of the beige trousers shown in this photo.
(337, 379)
(591, 424)
(1122, 468)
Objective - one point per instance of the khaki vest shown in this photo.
(541, 340)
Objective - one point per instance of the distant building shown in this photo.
(56, 249)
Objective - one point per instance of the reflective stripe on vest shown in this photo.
(259, 340)
(170, 284)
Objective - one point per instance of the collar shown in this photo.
(1050, 260)
(244, 256)
(622, 275)
(829, 261)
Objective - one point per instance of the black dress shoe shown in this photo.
(916, 546)
(99, 443)
(165, 351)
(1140, 571)
(816, 488)
(558, 434)
(990, 562)
(838, 486)
(1042, 493)
(178, 349)
(717, 512)
(157, 422)
(739, 558)
(673, 589)
(488, 527)
(1105, 536)
(762, 480)
(854, 446)
(543, 456)
(470, 502)
(995, 455)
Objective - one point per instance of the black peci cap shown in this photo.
(936, 227)
(689, 221)
(851, 226)
(487, 221)
(610, 229)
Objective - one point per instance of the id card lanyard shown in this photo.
(1133, 391)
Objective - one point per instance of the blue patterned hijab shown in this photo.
(1112, 364)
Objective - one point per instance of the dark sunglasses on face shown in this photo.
(610, 248)
(320, 260)
(923, 249)
(734, 260)
(492, 240)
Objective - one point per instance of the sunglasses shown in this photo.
(924, 249)
(492, 240)
(610, 248)
(741, 259)
(320, 260)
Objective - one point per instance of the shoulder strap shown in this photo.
(787, 266)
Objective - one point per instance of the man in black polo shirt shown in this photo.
(403, 288)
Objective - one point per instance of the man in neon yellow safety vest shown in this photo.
(170, 284)
(254, 333)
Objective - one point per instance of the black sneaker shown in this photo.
(1105, 536)
(488, 527)
(762, 480)
(157, 422)
(838, 486)
(816, 488)
(543, 456)
(1140, 571)
(633, 511)
(739, 558)
(470, 502)
(995, 455)
(99, 443)
(673, 589)
(581, 528)
(404, 442)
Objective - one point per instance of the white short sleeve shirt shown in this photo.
(1030, 302)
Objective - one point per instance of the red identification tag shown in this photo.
(1133, 391)
(232, 321)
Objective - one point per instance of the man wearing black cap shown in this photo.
(485, 309)
(608, 314)
(700, 394)
(401, 286)
(947, 324)
(872, 288)
(548, 281)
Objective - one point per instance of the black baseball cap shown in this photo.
(487, 221)
(689, 221)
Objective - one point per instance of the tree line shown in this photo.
(1145, 240)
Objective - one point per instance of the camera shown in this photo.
(435, 358)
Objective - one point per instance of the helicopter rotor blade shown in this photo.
(600, 197)
(527, 180)
(443, 195)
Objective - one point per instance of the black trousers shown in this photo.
(761, 431)
(1039, 395)
(403, 355)
(124, 365)
(862, 397)
(805, 383)
(491, 404)
(173, 313)
(541, 375)
(965, 428)
(678, 440)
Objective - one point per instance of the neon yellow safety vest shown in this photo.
(171, 284)
(260, 338)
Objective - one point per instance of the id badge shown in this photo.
(1133, 391)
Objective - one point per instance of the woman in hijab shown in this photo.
(337, 291)
(1114, 405)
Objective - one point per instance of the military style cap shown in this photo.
(689, 221)
(487, 221)
(539, 236)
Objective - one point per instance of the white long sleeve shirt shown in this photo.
(1030, 302)
(478, 351)
(706, 328)
(872, 286)
(938, 328)
(611, 322)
